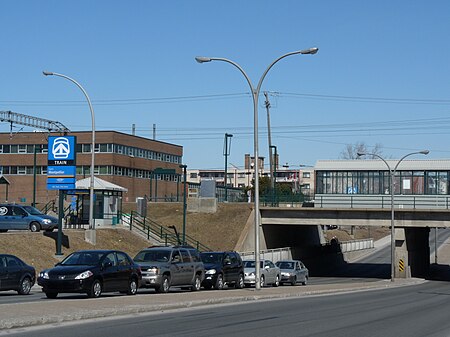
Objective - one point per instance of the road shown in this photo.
(417, 310)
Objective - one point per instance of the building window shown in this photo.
(306, 175)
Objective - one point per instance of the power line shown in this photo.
(177, 99)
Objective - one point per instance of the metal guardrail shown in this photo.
(151, 229)
(354, 245)
(274, 255)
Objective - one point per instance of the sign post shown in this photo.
(61, 173)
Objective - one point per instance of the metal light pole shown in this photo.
(255, 96)
(184, 167)
(226, 153)
(392, 175)
(91, 185)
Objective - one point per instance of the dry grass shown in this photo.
(218, 231)
(39, 250)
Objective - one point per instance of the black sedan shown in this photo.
(16, 274)
(92, 272)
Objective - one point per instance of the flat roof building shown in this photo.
(122, 159)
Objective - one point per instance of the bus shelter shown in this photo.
(107, 202)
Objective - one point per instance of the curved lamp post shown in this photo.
(91, 185)
(392, 175)
(255, 96)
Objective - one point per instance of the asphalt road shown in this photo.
(418, 310)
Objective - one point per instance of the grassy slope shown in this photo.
(39, 251)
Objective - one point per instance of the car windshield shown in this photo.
(251, 264)
(211, 257)
(285, 265)
(32, 210)
(83, 258)
(153, 256)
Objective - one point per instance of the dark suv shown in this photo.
(163, 267)
(222, 268)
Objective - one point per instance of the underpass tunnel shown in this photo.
(306, 243)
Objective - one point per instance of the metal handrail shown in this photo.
(153, 229)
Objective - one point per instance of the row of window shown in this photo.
(99, 148)
(378, 182)
(98, 170)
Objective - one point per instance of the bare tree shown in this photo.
(351, 150)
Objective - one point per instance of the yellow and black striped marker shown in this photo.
(401, 265)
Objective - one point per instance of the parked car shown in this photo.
(164, 267)
(16, 274)
(25, 217)
(92, 272)
(293, 271)
(222, 268)
(270, 274)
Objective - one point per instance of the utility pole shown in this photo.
(226, 153)
(271, 160)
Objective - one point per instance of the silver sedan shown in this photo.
(270, 274)
(293, 271)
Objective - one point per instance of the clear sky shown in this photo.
(381, 75)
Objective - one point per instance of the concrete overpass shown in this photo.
(301, 228)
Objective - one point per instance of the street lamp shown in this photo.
(392, 174)
(184, 167)
(226, 153)
(91, 185)
(255, 96)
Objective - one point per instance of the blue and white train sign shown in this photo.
(61, 169)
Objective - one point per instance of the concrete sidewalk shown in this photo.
(74, 308)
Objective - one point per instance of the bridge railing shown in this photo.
(381, 201)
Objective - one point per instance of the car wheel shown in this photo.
(197, 283)
(51, 294)
(132, 287)
(25, 286)
(262, 282)
(164, 286)
(294, 281)
(219, 282)
(240, 282)
(305, 281)
(96, 289)
(277, 281)
(35, 227)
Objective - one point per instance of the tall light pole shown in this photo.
(91, 185)
(255, 97)
(184, 167)
(392, 175)
(226, 153)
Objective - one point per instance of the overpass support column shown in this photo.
(412, 252)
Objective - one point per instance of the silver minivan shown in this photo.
(14, 216)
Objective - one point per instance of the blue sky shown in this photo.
(381, 75)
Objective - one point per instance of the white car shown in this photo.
(270, 274)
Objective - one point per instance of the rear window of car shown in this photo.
(154, 255)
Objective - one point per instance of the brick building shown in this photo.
(125, 160)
